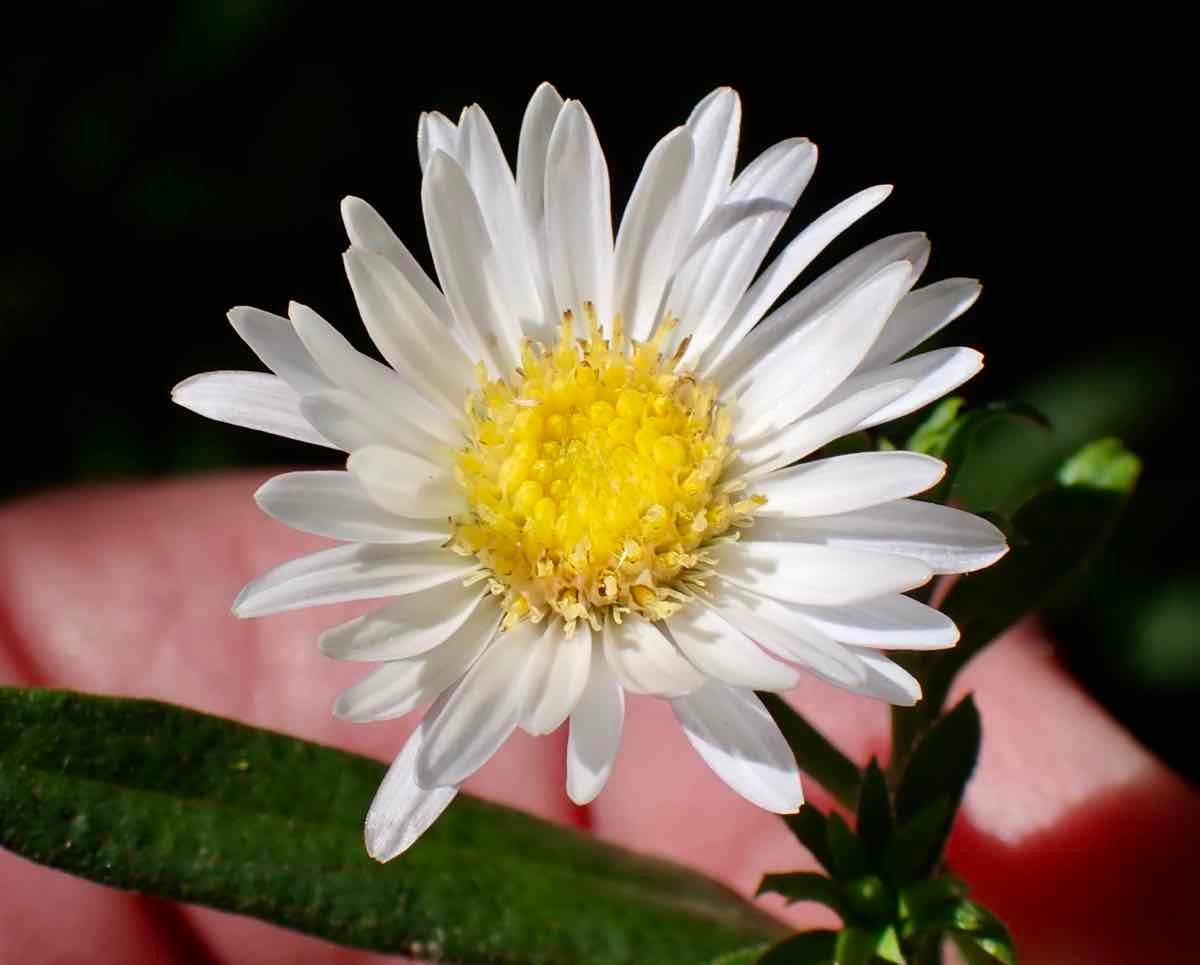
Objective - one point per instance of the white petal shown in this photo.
(560, 685)
(886, 622)
(595, 734)
(776, 277)
(933, 373)
(819, 575)
(714, 125)
(333, 504)
(947, 540)
(414, 624)
(829, 421)
(405, 483)
(807, 366)
(777, 627)
(435, 132)
(536, 127)
(732, 731)
(481, 712)
(645, 661)
(845, 483)
(921, 314)
(649, 235)
(353, 422)
(359, 571)
(430, 366)
(401, 810)
(466, 262)
(275, 341)
(254, 400)
(401, 686)
(887, 680)
(724, 652)
(818, 296)
(715, 275)
(579, 217)
(367, 231)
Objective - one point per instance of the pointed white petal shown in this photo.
(827, 422)
(724, 652)
(845, 483)
(353, 422)
(797, 374)
(405, 483)
(401, 686)
(797, 256)
(646, 662)
(732, 731)
(481, 712)
(649, 235)
(536, 127)
(560, 684)
(435, 132)
(945, 539)
(819, 575)
(359, 571)
(933, 373)
(579, 217)
(595, 734)
(887, 680)
(275, 341)
(466, 261)
(254, 400)
(413, 625)
(714, 125)
(921, 314)
(776, 626)
(333, 504)
(891, 622)
(401, 810)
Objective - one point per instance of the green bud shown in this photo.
(871, 899)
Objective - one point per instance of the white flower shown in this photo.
(578, 474)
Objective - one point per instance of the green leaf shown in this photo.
(810, 826)
(980, 934)
(984, 951)
(856, 946)
(874, 820)
(942, 762)
(849, 856)
(815, 754)
(932, 435)
(1062, 530)
(888, 947)
(805, 886)
(916, 847)
(917, 899)
(744, 956)
(159, 799)
(805, 948)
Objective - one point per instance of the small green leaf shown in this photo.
(810, 826)
(805, 948)
(889, 947)
(918, 898)
(931, 436)
(874, 821)
(849, 856)
(984, 951)
(871, 900)
(856, 946)
(958, 915)
(166, 801)
(1104, 464)
(805, 886)
(815, 754)
(916, 847)
(942, 763)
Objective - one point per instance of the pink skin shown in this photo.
(1076, 835)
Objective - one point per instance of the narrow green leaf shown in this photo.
(918, 898)
(959, 915)
(984, 951)
(805, 948)
(805, 886)
(810, 826)
(849, 856)
(163, 800)
(942, 763)
(874, 820)
(815, 754)
(916, 847)
(856, 946)
(931, 436)
(889, 947)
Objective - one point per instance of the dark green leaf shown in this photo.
(806, 886)
(158, 799)
(917, 899)
(816, 756)
(941, 764)
(806, 948)
(809, 826)
(870, 900)
(958, 915)
(984, 951)
(856, 946)
(874, 822)
(916, 847)
(849, 856)
(1061, 530)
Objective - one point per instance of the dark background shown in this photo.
(163, 168)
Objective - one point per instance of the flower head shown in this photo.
(580, 473)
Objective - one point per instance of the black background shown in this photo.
(163, 167)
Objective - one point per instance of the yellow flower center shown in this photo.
(594, 478)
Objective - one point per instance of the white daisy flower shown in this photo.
(579, 473)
